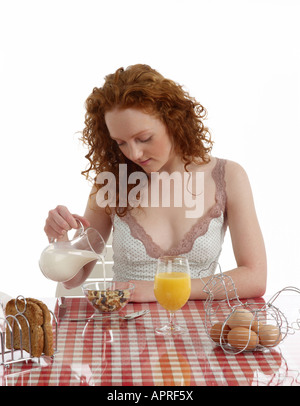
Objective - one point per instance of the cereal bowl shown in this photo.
(109, 296)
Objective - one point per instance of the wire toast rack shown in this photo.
(239, 326)
(7, 326)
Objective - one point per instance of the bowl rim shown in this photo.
(130, 287)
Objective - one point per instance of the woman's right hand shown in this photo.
(60, 221)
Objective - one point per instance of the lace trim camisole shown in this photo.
(135, 253)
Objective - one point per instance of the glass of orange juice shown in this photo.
(172, 289)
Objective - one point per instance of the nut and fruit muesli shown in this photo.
(108, 300)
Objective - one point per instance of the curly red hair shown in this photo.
(140, 86)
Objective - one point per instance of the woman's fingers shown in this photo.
(52, 233)
(60, 220)
(64, 218)
(83, 220)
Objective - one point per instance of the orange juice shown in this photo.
(172, 290)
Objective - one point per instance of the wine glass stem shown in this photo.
(172, 320)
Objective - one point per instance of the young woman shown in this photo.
(169, 194)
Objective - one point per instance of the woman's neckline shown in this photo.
(199, 228)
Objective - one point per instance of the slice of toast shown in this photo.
(39, 319)
(47, 327)
(34, 316)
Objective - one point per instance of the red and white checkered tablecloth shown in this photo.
(116, 352)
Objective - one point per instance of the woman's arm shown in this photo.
(250, 275)
(60, 220)
(101, 221)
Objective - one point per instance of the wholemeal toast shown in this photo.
(47, 327)
(40, 335)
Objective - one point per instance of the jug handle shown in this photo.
(52, 240)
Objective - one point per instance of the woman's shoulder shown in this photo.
(236, 179)
(234, 170)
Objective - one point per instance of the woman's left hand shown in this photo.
(143, 292)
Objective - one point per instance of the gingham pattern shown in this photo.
(118, 352)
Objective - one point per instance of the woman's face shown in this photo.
(142, 138)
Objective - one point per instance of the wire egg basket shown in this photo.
(239, 326)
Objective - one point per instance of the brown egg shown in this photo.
(242, 338)
(255, 326)
(241, 318)
(216, 331)
(269, 335)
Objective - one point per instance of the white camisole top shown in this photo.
(135, 253)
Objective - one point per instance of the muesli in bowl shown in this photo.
(109, 296)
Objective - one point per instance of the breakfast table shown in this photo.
(114, 352)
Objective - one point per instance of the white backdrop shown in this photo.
(239, 58)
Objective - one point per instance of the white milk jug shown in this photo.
(62, 260)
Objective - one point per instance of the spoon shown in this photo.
(129, 316)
